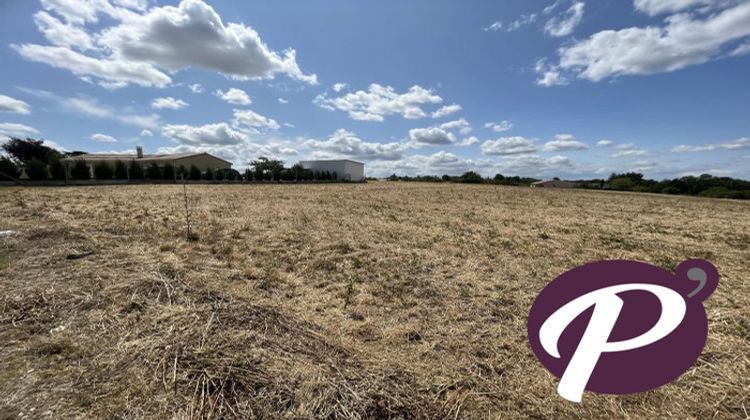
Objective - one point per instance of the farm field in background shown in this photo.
(340, 300)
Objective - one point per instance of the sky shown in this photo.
(569, 88)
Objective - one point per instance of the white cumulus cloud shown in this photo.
(8, 104)
(380, 101)
(168, 103)
(234, 96)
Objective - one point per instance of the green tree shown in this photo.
(135, 170)
(471, 177)
(153, 171)
(168, 172)
(103, 171)
(208, 175)
(80, 170)
(24, 151)
(9, 168)
(220, 175)
(195, 173)
(248, 175)
(121, 171)
(57, 169)
(36, 169)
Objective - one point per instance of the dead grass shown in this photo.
(337, 301)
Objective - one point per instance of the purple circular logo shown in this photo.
(619, 327)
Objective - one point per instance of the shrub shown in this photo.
(36, 169)
(208, 175)
(248, 175)
(121, 171)
(57, 169)
(220, 175)
(195, 173)
(9, 168)
(153, 171)
(168, 172)
(80, 170)
(135, 170)
(103, 170)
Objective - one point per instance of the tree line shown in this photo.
(41, 162)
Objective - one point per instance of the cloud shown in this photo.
(565, 24)
(234, 96)
(89, 107)
(605, 143)
(338, 87)
(147, 133)
(168, 103)
(522, 21)
(17, 130)
(380, 101)
(657, 7)
(344, 143)
(494, 27)
(144, 45)
(685, 40)
(563, 142)
(461, 125)
(469, 141)
(103, 138)
(499, 127)
(431, 136)
(741, 143)
(508, 146)
(283, 101)
(247, 119)
(447, 110)
(196, 88)
(629, 150)
(209, 134)
(8, 104)
(550, 74)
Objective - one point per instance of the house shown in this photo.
(202, 161)
(345, 170)
(553, 183)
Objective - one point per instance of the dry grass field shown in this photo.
(340, 301)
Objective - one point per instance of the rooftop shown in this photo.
(111, 157)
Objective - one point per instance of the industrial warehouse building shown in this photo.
(346, 170)
(202, 161)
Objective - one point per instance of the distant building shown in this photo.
(202, 161)
(346, 170)
(553, 183)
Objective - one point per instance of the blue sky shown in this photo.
(537, 88)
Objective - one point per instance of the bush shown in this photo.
(168, 172)
(37, 170)
(135, 170)
(248, 175)
(80, 170)
(153, 171)
(9, 168)
(103, 171)
(208, 175)
(195, 173)
(57, 169)
(182, 172)
(121, 171)
(220, 175)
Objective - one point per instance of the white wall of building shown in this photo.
(345, 169)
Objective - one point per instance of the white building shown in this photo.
(346, 170)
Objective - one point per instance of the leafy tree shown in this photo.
(265, 168)
(208, 175)
(103, 171)
(195, 173)
(9, 168)
(36, 169)
(135, 170)
(220, 175)
(471, 177)
(153, 171)
(24, 151)
(298, 171)
(121, 171)
(57, 169)
(334, 176)
(80, 170)
(248, 175)
(182, 172)
(168, 172)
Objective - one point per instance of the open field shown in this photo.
(385, 299)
